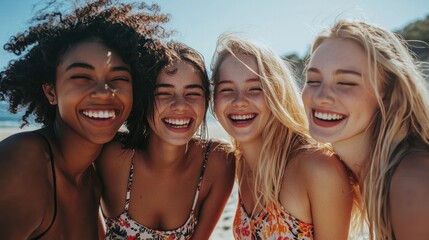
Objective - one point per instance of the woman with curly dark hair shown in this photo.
(75, 72)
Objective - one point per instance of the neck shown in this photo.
(75, 155)
(251, 152)
(355, 153)
(164, 156)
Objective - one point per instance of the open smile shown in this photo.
(178, 122)
(241, 118)
(327, 119)
(328, 116)
(100, 114)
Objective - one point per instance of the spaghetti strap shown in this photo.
(54, 180)
(203, 169)
(130, 182)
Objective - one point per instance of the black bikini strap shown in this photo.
(200, 180)
(54, 179)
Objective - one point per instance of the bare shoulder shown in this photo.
(411, 178)
(221, 154)
(26, 177)
(409, 195)
(220, 161)
(329, 192)
(23, 154)
(113, 155)
(114, 160)
(319, 165)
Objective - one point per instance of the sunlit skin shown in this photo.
(92, 95)
(241, 108)
(240, 103)
(179, 104)
(93, 91)
(168, 167)
(338, 98)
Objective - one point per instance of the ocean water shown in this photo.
(8, 119)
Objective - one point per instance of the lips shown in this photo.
(178, 122)
(328, 116)
(100, 114)
(238, 118)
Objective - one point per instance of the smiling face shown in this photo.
(338, 98)
(240, 103)
(93, 91)
(179, 104)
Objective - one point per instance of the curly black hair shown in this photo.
(132, 30)
(137, 124)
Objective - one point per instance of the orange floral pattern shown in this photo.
(273, 223)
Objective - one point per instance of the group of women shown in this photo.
(346, 155)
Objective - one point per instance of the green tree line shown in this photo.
(416, 34)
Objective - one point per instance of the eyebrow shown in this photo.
(348, 71)
(89, 66)
(190, 86)
(247, 80)
(337, 72)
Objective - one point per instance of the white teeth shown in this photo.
(328, 116)
(99, 113)
(243, 117)
(178, 123)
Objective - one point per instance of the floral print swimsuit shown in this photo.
(272, 223)
(124, 227)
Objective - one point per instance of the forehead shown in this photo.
(339, 53)
(180, 71)
(89, 51)
(240, 65)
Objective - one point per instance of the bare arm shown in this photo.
(24, 186)
(113, 161)
(222, 177)
(331, 197)
(409, 198)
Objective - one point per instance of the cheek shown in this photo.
(306, 97)
(218, 105)
(200, 108)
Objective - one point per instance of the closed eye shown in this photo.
(312, 83)
(81, 76)
(347, 83)
(163, 94)
(258, 89)
(122, 78)
(194, 94)
(226, 90)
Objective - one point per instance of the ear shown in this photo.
(50, 93)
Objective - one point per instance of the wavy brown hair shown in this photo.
(138, 123)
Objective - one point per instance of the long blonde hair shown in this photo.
(285, 131)
(402, 120)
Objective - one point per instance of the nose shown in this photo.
(179, 103)
(240, 100)
(324, 95)
(103, 90)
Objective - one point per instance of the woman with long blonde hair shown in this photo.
(365, 95)
(289, 186)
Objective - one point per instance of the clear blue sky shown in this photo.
(287, 26)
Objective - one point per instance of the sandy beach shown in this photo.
(223, 228)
